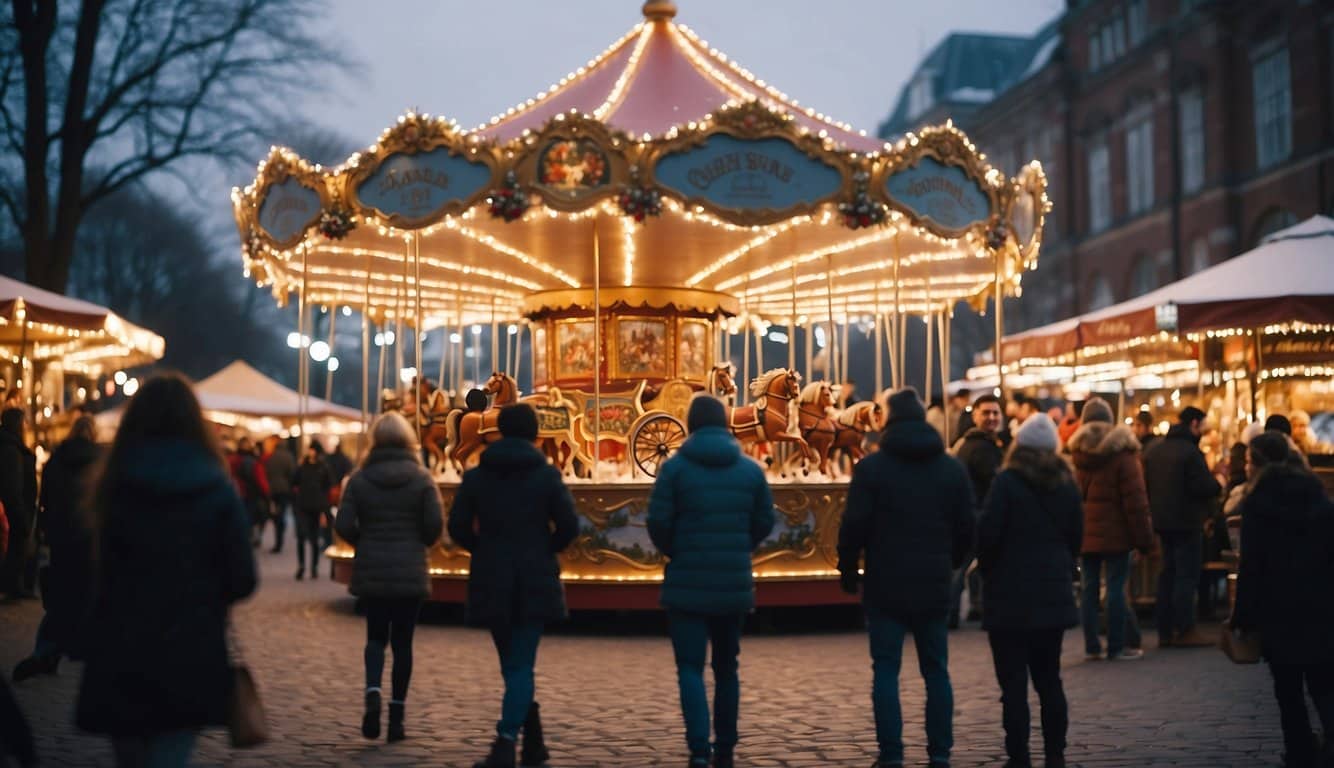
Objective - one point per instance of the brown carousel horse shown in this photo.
(468, 431)
(721, 384)
(765, 420)
(431, 427)
(814, 421)
(851, 426)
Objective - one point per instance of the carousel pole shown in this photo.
(417, 329)
(328, 372)
(444, 352)
(759, 348)
(398, 318)
(831, 342)
(1000, 330)
(379, 369)
(810, 351)
(930, 346)
(896, 338)
(843, 350)
(878, 334)
(743, 387)
(792, 325)
(495, 340)
(597, 352)
(302, 371)
(365, 359)
(944, 332)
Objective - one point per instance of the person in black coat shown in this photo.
(1027, 541)
(514, 514)
(174, 554)
(1285, 590)
(64, 524)
(391, 513)
(910, 513)
(310, 484)
(18, 492)
(981, 450)
(1182, 495)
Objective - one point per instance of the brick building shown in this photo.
(1175, 134)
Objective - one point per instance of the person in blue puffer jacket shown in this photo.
(710, 508)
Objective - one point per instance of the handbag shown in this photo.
(1240, 646)
(245, 712)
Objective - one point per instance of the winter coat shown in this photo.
(391, 513)
(1182, 491)
(279, 468)
(514, 514)
(1027, 540)
(16, 485)
(252, 482)
(1285, 584)
(910, 510)
(339, 465)
(174, 553)
(981, 454)
(312, 482)
(65, 523)
(1111, 483)
(709, 509)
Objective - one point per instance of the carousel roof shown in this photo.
(694, 183)
(85, 337)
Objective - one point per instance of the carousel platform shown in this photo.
(612, 565)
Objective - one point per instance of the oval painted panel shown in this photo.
(288, 208)
(749, 174)
(573, 168)
(416, 188)
(940, 195)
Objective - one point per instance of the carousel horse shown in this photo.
(431, 422)
(721, 384)
(467, 431)
(766, 419)
(814, 422)
(851, 426)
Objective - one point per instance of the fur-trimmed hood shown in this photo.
(1040, 469)
(1096, 443)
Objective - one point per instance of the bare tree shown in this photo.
(98, 96)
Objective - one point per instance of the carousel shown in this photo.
(639, 227)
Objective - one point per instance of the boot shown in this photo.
(534, 750)
(370, 722)
(300, 573)
(396, 722)
(501, 755)
(698, 761)
(1055, 761)
(722, 758)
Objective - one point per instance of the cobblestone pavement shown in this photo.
(608, 691)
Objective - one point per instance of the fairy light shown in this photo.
(731, 256)
(617, 95)
(628, 245)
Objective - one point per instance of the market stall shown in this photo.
(638, 220)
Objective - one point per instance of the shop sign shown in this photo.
(1283, 350)
(742, 175)
(940, 195)
(288, 208)
(414, 189)
(1121, 328)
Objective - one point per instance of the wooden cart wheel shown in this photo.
(655, 439)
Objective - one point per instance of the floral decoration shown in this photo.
(570, 165)
(638, 201)
(509, 202)
(336, 223)
(861, 211)
(996, 235)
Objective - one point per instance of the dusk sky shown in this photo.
(471, 60)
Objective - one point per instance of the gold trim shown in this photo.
(537, 327)
(579, 129)
(668, 344)
(950, 147)
(280, 165)
(1031, 180)
(711, 303)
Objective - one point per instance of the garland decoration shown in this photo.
(996, 235)
(861, 211)
(639, 201)
(509, 202)
(336, 223)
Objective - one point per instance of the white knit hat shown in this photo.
(1039, 432)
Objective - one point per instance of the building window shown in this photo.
(1095, 50)
(1273, 108)
(1191, 108)
(1100, 293)
(1137, 13)
(1139, 165)
(1144, 277)
(1100, 193)
(1273, 220)
(1199, 256)
(920, 97)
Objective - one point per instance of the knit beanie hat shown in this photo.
(518, 420)
(705, 411)
(1038, 432)
(1097, 409)
(904, 405)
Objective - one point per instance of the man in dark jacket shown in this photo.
(279, 467)
(18, 492)
(1142, 427)
(65, 525)
(981, 451)
(910, 511)
(1182, 493)
(710, 508)
(514, 514)
(311, 484)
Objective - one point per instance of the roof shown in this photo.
(86, 337)
(1286, 279)
(966, 69)
(242, 390)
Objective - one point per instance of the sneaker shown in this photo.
(1129, 654)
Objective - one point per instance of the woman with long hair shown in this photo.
(391, 513)
(173, 553)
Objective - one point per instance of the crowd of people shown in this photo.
(152, 540)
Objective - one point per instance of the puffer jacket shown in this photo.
(709, 509)
(514, 514)
(981, 454)
(1111, 482)
(1285, 584)
(391, 514)
(1027, 540)
(910, 510)
(1182, 491)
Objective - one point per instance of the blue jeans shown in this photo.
(1118, 568)
(168, 749)
(931, 638)
(1178, 581)
(517, 647)
(691, 634)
